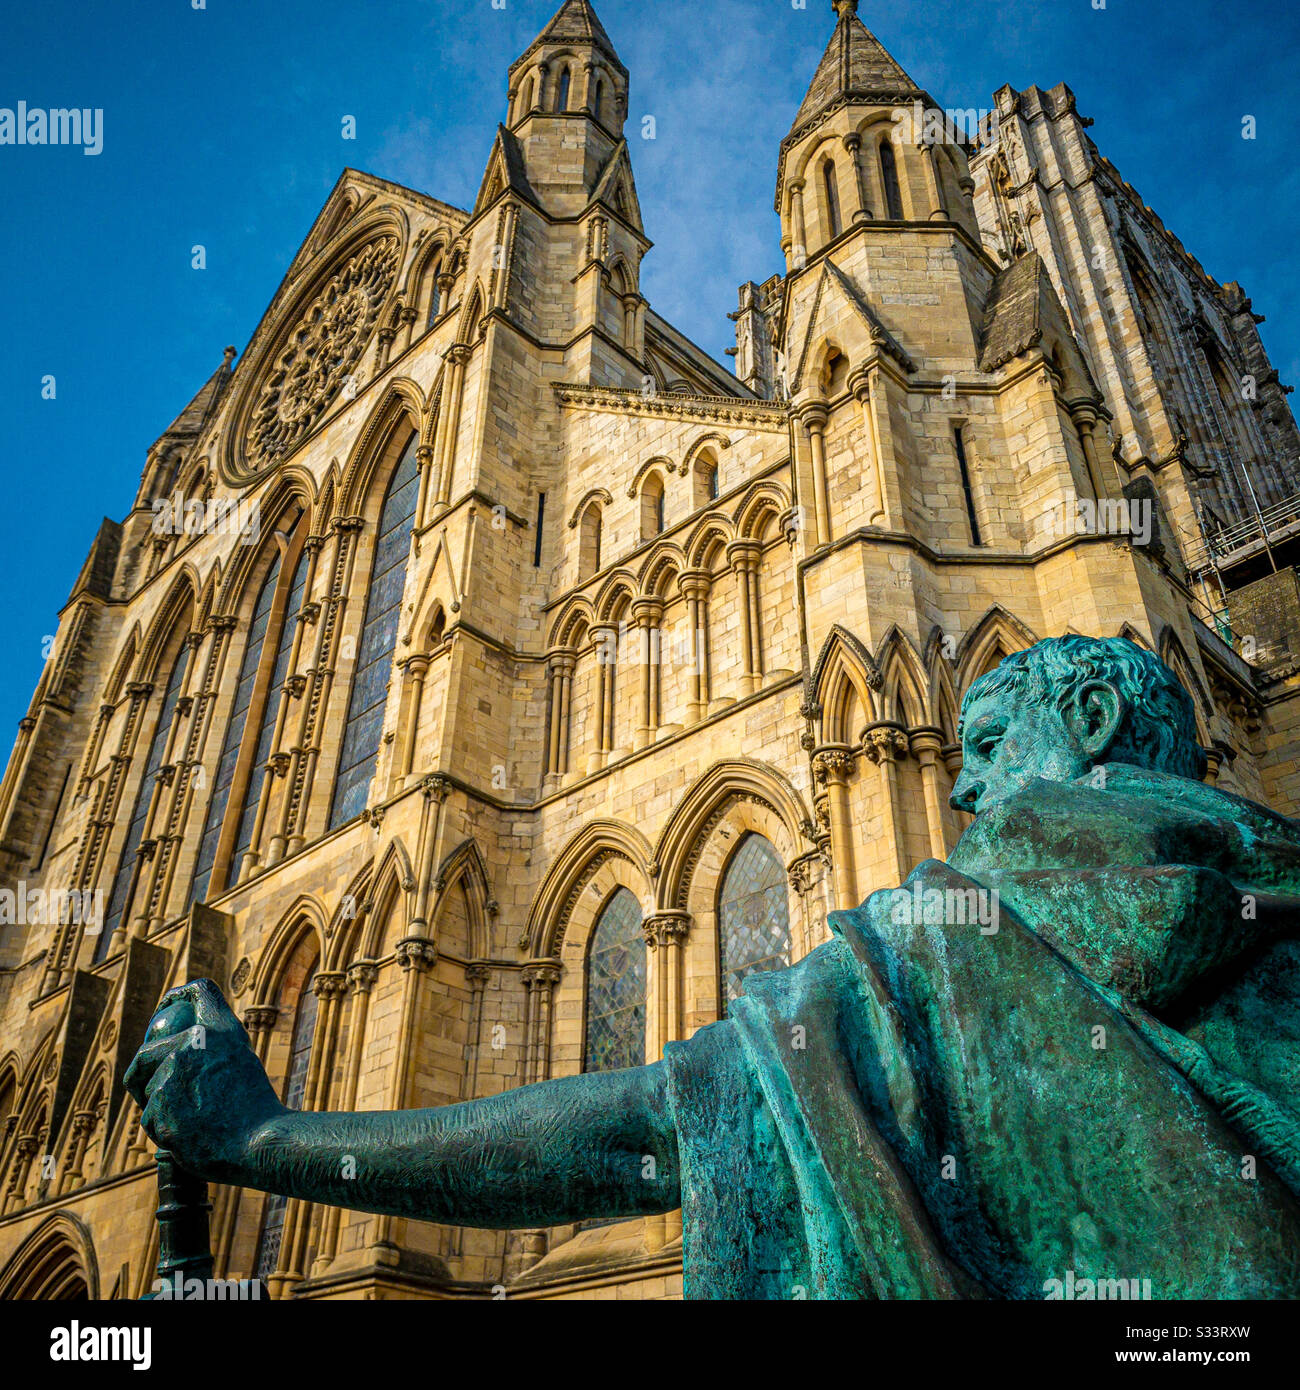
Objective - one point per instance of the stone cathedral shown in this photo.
(485, 681)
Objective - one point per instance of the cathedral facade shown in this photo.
(485, 680)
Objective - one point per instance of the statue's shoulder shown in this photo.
(1121, 814)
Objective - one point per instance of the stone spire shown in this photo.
(855, 67)
(574, 23)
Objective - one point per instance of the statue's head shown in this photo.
(1063, 706)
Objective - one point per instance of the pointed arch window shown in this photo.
(832, 186)
(365, 722)
(753, 914)
(616, 987)
(562, 93)
(598, 103)
(589, 539)
(295, 1087)
(525, 99)
(221, 785)
(889, 182)
(652, 506)
(119, 897)
(270, 714)
(435, 297)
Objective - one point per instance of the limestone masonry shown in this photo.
(485, 680)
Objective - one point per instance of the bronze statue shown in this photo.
(1067, 1057)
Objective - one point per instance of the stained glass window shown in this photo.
(270, 712)
(616, 980)
(378, 640)
(753, 914)
(234, 736)
(118, 898)
(295, 1086)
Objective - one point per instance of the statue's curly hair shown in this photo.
(1158, 727)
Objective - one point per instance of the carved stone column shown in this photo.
(799, 248)
(329, 987)
(415, 670)
(361, 977)
(813, 417)
(83, 1126)
(648, 614)
(452, 397)
(605, 637)
(853, 145)
(414, 955)
(744, 557)
(926, 745)
(560, 670)
(884, 744)
(831, 769)
(25, 1151)
(951, 753)
(695, 586)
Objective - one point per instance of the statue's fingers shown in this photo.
(153, 1105)
(147, 1062)
(210, 1008)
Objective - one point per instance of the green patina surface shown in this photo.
(1069, 1053)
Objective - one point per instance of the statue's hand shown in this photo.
(202, 1090)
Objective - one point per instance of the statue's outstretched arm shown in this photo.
(596, 1145)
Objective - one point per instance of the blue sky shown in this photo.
(223, 127)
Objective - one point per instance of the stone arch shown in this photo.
(664, 563)
(177, 607)
(713, 533)
(401, 409)
(1172, 652)
(572, 869)
(682, 839)
(122, 666)
(762, 501)
(577, 615)
(351, 918)
(420, 278)
(466, 868)
(304, 918)
(392, 890)
(618, 589)
(844, 677)
(904, 688)
(997, 634)
(290, 489)
(56, 1263)
(471, 317)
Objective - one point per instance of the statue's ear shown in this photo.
(1095, 714)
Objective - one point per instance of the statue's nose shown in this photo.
(966, 792)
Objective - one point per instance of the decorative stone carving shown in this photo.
(322, 351)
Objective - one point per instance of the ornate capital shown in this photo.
(543, 974)
(140, 690)
(437, 787)
(695, 583)
(926, 745)
(883, 743)
(647, 612)
(668, 928)
(416, 953)
(478, 973)
(362, 975)
(743, 556)
(831, 766)
(330, 984)
(258, 1018)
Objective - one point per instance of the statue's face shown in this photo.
(1008, 742)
